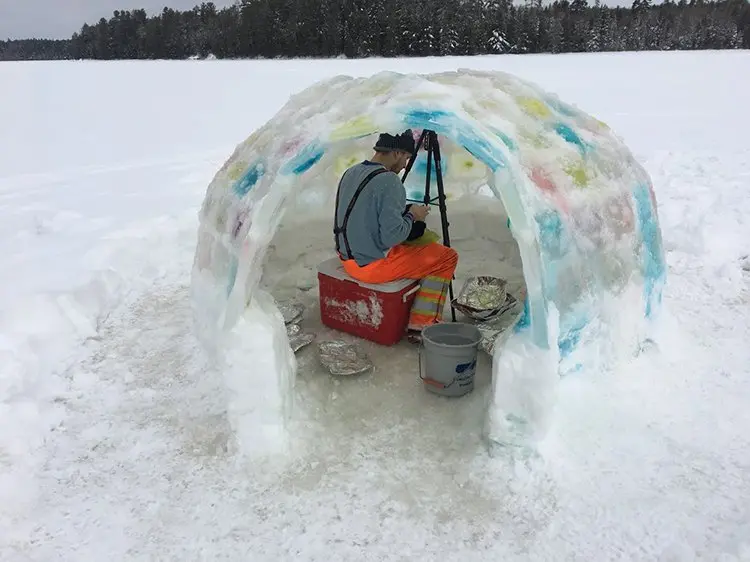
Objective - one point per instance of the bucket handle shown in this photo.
(430, 381)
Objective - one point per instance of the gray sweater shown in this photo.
(377, 222)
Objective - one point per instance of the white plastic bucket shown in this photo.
(448, 358)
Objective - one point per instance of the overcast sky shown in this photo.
(59, 19)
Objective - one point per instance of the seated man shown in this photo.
(371, 224)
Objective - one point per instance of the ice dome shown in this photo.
(580, 207)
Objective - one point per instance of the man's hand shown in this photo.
(419, 212)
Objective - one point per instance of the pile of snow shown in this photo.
(43, 333)
(69, 262)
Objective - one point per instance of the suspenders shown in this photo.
(342, 229)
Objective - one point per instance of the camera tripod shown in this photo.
(429, 140)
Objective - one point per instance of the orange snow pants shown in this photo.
(433, 264)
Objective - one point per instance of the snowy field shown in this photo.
(113, 428)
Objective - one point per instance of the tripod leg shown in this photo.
(413, 158)
(429, 172)
(434, 147)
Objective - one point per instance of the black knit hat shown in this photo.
(390, 143)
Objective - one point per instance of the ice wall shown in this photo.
(581, 208)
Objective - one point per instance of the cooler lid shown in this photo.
(334, 268)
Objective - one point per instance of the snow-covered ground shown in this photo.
(113, 439)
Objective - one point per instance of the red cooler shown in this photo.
(379, 313)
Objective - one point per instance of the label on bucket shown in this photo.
(465, 373)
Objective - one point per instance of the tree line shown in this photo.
(394, 28)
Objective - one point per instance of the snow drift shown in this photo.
(581, 209)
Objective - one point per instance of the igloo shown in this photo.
(580, 208)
